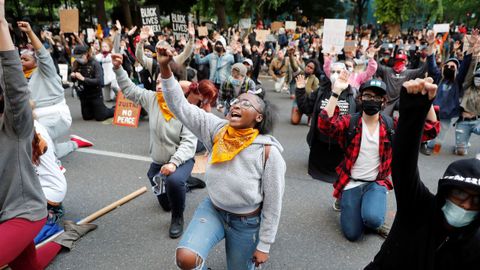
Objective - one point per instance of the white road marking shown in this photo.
(114, 154)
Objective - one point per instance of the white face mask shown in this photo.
(476, 81)
(333, 78)
(138, 68)
(456, 216)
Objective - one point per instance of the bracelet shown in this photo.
(335, 95)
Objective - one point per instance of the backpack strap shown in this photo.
(389, 125)
(352, 128)
(266, 154)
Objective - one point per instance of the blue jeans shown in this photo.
(462, 134)
(362, 207)
(175, 184)
(445, 125)
(209, 226)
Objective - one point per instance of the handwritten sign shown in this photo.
(179, 25)
(261, 35)
(69, 22)
(151, 18)
(334, 34)
(127, 113)
(276, 25)
(245, 23)
(350, 46)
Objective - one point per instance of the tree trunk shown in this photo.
(220, 11)
(359, 12)
(127, 15)
(101, 14)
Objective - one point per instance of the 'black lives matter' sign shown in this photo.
(179, 25)
(151, 18)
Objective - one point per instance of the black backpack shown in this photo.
(353, 128)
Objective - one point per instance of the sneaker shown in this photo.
(336, 205)
(81, 142)
(383, 230)
(424, 149)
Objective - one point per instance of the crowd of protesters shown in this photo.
(371, 109)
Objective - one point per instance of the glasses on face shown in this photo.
(368, 97)
(462, 196)
(244, 103)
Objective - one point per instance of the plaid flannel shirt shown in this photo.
(337, 126)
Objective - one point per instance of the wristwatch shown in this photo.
(335, 95)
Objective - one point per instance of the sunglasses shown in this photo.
(463, 196)
(244, 103)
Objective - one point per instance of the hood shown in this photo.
(464, 173)
(268, 139)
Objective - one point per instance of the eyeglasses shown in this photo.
(462, 196)
(244, 103)
(368, 97)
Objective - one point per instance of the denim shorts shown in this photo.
(209, 226)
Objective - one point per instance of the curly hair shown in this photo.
(206, 88)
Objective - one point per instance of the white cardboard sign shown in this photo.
(441, 28)
(334, 34)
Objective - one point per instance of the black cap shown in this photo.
(79, 51)
(463, 173)
(375, 85)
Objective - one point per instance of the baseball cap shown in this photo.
(248, 61)
(375, 85)
(79, 51)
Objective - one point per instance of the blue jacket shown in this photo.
(220, 66)
(449, 93)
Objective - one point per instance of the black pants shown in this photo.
(94, 108)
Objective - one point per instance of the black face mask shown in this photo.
(371, 107)
(448, 73)
(218, 49)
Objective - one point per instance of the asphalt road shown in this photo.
(135, 235)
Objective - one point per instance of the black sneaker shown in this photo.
(176, 227)
(194, 182)
(424, 149)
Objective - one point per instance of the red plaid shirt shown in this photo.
(337, 126)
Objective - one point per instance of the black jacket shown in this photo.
(325, 153)
(91, 87)
(418, 238)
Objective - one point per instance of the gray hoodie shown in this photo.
(45, 84)
(21, 195)
(169, 141)
(242, 184)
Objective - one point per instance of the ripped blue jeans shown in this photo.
(462, 134)
(209, 226)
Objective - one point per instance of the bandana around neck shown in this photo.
(28, 73)
(167, 114)
(228, 142)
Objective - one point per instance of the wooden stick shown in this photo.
(100, 212)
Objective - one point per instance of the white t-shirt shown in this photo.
(368, 161)
(52, 180)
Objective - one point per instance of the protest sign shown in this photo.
(262, 35)
(202, 31)
(127, 113)
(290, 25)
(179, 25)
(63, 70)
(441, 28)
(245, 23)
(69, 20)
(90, 35)
(334, 34)
(350, 28)
(276, 25)
(350, 46)
(151, 18)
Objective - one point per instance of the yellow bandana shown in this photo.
(28, 73)
(167, 114)
(228, 142)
